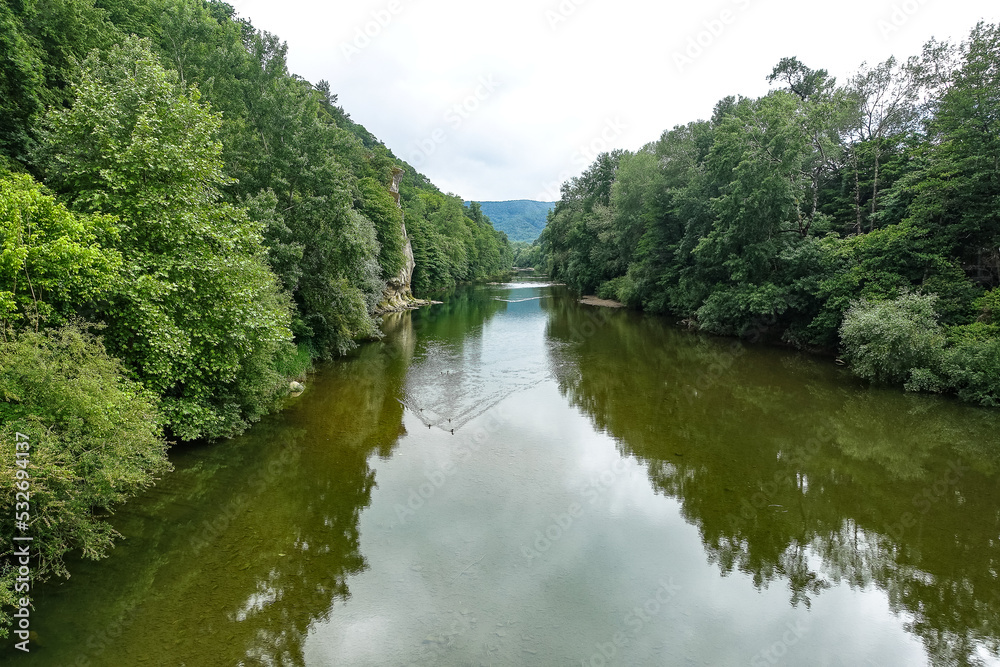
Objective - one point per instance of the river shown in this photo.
(514, 478)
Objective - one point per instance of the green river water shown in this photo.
(513, 478)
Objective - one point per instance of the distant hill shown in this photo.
(522, 220)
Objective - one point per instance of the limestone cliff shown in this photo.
(398, 295)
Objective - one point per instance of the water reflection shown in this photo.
(796, 475)
(231, 558)
(235, 555)
(345, 531)
(462, 368)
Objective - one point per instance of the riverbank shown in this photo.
(591, 300)
(573, 426)
(403, 305)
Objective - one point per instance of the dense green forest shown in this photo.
(530, 255)
(861, 218)
(521, 219)
(184, 226)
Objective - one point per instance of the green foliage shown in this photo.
(452, 243)
(886, 341)
(53, 263)
(198, 304)
(970, 367)
(95, 441)
(988, 306)
(379, 207)
(577, 237)
(621, 289)
(874, 266)
(134, 141)
(527, 255)
(774, 217)
(39, 40)
(901, 341)
(521, 220)
(335, 310)
(207, 204)
(305, 171)
(20, 83)
(956, 194)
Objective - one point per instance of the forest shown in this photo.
(857, 218)
(185, 225)
(522, 219)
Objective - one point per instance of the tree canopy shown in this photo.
(775, 216)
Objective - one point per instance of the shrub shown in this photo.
(95, 441)
(622, 289)
(886, 341)
(971, 364)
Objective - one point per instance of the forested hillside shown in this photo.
(184, 225)
(520, 219)
(861, 217)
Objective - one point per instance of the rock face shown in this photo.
(398, 295)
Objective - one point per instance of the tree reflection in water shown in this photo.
(794, 472)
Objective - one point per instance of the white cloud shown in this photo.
(652, 65)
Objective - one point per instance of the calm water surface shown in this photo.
(512, 478)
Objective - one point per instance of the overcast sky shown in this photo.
(506, 100)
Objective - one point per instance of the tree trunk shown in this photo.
(857, 193)
(878, 154)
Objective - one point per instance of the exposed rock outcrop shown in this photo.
(398, 294)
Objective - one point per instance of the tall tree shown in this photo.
(200, 317)
(886, 95)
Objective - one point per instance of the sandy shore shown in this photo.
(597, 301)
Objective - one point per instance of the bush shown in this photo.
(886, 341)
(747, 310)
(623, 289)
(971, 364)
(901, 342)
(95, 441)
